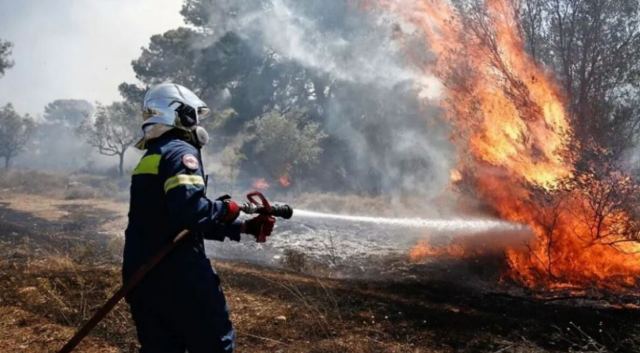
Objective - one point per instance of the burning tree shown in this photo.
(593, 46)
(113, 131)
(519, 148)
(15, 131)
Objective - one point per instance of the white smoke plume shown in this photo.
(366, 52)
(336, 38)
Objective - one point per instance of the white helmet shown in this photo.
(170, 106)
(173, 105)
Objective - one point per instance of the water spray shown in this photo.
(461, 225)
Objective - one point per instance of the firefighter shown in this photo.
(179, 306)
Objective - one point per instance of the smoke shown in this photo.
(396, 142)
(333, 37)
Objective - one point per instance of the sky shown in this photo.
(78, 49)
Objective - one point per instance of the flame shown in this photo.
(284, 180)
(260, 184)
(455, 176)
(424, 250)
(515, 145)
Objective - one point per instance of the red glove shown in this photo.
(232, 211)
(260, 227)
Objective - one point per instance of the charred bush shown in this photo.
(295, 260)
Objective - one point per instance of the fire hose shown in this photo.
(256, 204)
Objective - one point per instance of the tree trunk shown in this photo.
(121, 165)
(7, 162)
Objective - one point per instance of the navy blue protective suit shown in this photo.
(179, 305)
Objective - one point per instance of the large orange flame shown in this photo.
(514, 139)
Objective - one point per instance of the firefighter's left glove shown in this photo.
(231, 209)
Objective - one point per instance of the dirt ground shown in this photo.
(59, 260)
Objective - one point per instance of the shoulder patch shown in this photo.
(190, 162)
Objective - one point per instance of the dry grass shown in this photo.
(33, 182)
(65, 186)
(62, 291)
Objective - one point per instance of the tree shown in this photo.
(246, 77)
(132, 93)
(170, 56)
(230, 160)
(15, 131)
(68, 112)
(113, 131)
(56, 144)
(5, 52)
(594, 48)
(285, 143)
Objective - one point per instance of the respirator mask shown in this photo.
(188, 119)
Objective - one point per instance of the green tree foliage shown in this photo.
(113, 131)
(15, 133)
(196, 12)
(170, 56)
(285, 143)
(228, 66)
(132, 93)
(5, 52)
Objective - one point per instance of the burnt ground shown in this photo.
(57, 266)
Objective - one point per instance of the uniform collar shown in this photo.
(173, 134)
